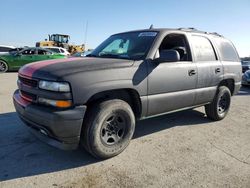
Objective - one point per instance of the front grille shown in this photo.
(28, 81)
(28, 96)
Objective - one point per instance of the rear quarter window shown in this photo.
(227, 50)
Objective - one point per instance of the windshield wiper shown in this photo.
(91, 55)
(108, 55)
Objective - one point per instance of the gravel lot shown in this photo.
(184, 149)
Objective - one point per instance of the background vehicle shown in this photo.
(15, 50)
(58, 50)
(5, 49)
(246, 78)
(13, 61)
(61, 40)
(82, 54)
(96, 101)
(245, 66)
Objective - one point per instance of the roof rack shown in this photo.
(217, 34)
(198, 31)
(187, 29)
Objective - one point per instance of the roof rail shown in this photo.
(187, 29)
(198, 31)
(217, 34)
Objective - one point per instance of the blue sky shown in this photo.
(23, 22)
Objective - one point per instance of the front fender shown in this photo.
(81, 96)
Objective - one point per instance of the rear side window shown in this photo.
(227, 50)
(56, 50)
(203, 49)
(43, 52)
(62, 51)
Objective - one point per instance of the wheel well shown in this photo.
(131, 96)
(229, 83)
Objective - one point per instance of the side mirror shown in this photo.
(168, 56)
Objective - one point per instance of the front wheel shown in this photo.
(108, 128)
(3, 66)
(218, 109)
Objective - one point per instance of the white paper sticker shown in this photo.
(147, 34)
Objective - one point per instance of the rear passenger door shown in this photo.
(43, 54)
(210, 70)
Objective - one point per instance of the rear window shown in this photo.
(203, 49)
(227, 50)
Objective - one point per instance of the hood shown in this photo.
(55, 69)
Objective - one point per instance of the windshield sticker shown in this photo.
(147, 34)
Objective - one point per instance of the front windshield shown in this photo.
(133, 45)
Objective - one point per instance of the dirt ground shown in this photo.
(184, 149)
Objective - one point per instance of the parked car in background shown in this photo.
(15, 50)
(245, 66)
(246, 78)
(57, 50)
(13, 61)
(5, 49)
(82, 54)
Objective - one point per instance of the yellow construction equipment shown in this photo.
(61, 40)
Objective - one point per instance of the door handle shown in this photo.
(191, 72)
(217, 70)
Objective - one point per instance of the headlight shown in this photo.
(55, 103)
(54, 86)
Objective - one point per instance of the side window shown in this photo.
(227, 50)
(203, 49)
(56, 50)
(29, 52)
(179, 43)
(43, 52)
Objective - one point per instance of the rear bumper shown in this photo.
(59, 128)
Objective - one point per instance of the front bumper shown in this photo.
(59, 128)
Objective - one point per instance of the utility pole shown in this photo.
(85, 35)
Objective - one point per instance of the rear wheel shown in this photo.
(108, 128)
(218, 109)
(3, 66)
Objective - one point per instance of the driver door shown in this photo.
(171, 85)
(25, 57)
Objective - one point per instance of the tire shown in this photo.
(218, 109)
(3, 66)
(108, 128)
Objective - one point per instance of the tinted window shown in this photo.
(4, 49)
(28, 52)
(56, 50)
(203, 49)
(227, 50)
(43, 52)
(62, 51)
